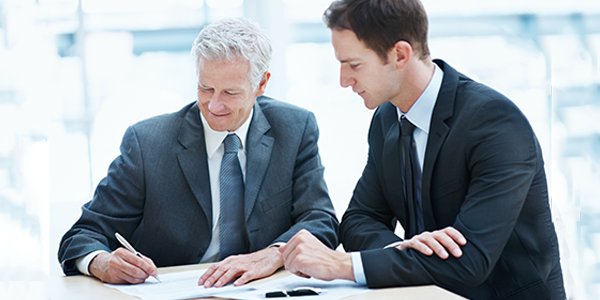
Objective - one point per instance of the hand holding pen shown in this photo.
(127, 245)
(122, 266)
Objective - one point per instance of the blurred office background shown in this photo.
(75, 73)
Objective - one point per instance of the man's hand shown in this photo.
(440, 242)
(122, 266)
(245, 266)
(306, 256)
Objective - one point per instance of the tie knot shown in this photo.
(232, 143)
(407, 127)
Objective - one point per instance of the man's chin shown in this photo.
(370, 105)
(219, 122)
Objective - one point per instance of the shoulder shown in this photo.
(481, 112)
(470, 94)
(479, 101)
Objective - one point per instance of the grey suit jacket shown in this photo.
(483, 174)
(157, 192)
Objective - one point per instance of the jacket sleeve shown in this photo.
(117, 204)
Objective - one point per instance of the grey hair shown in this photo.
(229, 39)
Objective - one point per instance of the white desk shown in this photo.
(84, 287)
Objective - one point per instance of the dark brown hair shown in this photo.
(380, 24)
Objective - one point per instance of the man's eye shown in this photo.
(354, 66)
(230, 93)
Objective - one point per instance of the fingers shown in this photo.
(303, 236)
(213, 274)
(416, 244)
(132, 266)
(247, 276)
(439, 242)
(147, 265)
(297, 263)
(120, 266)
(306, 256)
(455, 235)
(450, 239)
(221, 273)
(207, 274)
(293, 248)
(244, 267)
(123, 276)
(226, 277)
(445, 241)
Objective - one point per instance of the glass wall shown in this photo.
(75, 73)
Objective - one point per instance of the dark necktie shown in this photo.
(232, 231)
(412, 170)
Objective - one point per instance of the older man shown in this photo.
(227, 178)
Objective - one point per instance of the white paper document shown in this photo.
(333, 290)
(178, 285)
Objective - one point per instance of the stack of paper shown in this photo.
(179, 285)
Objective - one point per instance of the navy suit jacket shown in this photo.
(157, 192)
(483, 174)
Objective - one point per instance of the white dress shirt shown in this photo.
(420, 116)
(214, 151)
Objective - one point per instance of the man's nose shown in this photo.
(345, 80)
(216, 103)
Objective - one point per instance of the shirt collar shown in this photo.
(420, 113)
(214, 139)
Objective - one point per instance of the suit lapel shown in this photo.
(193, 160)
(259, 148)
(391, 170)
(444, 108)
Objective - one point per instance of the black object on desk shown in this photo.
(300, 291)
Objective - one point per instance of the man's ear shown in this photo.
(400, 54)
(262, 86)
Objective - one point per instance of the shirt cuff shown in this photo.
(357, 268)
(394, 244)
(83, 263)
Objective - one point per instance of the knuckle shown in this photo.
(218, 268)
(112, 262)
(137, 273)
(232, 269)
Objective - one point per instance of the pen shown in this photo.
(300, 291)
(127, 245)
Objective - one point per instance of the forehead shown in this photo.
(348, 47)
(224, 72)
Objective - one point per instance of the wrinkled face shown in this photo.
(362, 69)
(225, 93)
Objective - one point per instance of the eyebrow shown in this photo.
(349, 60)
(229, 90)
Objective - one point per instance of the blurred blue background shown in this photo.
(75, 73)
